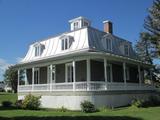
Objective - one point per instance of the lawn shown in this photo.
(8, 96)
(125, 113)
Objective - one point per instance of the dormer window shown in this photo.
(38, 49)
(85, 23)
(79, 22)
(126, 50)
(66, 42)
(109, 44)
(76, 25)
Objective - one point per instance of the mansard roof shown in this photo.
(85, 39)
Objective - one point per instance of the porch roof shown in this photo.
(83, 54)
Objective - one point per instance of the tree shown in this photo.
(152, 25)
(11, 77)
(144, 48)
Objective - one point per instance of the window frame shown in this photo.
(75, 25)
(38, 49)
(66, 43)
(124, 49)
(108, 42)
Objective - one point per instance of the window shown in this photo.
(109, 44)
(75, 25)
(126, 50)
(66, 43)
(36, 76)
(85, 24)
(38, 49)
(69, 72)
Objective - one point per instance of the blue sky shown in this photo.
(25, 21)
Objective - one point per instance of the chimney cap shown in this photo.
(107, 21)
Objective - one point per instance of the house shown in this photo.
(83, 64)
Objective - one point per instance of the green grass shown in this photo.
(125, 113)
(128, 113)
(8, 96)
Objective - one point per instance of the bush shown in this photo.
(18, 103)
(9, 91)
(6, 103)
(87, 107)
(62, 109)
(137, 103)
(31, 102)
(151, 102)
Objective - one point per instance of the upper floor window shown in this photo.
(38, 49)
(126, 50)
(109, 44)
(66, 42)
(75, 25)
(85, 23)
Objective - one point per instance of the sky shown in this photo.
(23, 22)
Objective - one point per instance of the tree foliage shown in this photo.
(11, 77)
(152, 25)
(144, 48)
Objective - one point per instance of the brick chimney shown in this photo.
(108, 26)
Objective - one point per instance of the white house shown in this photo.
(83, 64)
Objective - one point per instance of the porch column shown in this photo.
(105, 72)
(88, 73)
(18, 79)
(74, 75)
(32, 78)
(50, 78)
(139, 75)
(124, 72)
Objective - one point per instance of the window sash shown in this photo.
(109, 44)
(66, 43)
(126, 49)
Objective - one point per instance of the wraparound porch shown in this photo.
(85, 74)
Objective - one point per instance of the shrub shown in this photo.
(63, 109)
(87, 107)
(151, 102)
(18, 103)
(137, 103)
(9, 91)
(6, 103)
(31, 102)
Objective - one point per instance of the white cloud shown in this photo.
(19, 59)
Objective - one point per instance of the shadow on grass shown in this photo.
(72, 118)
(7, 108)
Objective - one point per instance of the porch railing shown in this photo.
(84, 86)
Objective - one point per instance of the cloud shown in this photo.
(3, 66)
(19, 59)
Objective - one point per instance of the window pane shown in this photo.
(62, 44)
(66, 44)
